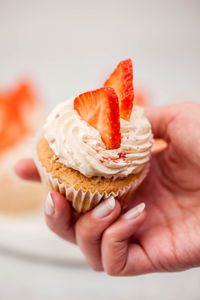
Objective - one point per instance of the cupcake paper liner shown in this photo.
(84, 201)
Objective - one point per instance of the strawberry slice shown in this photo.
(121, 80)
(100, 109)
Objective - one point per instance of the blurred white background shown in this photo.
(67, 47)
(71, 46)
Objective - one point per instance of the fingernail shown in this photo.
(49, 205)
(134, 212)
(104, 208)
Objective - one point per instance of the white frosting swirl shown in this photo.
(80, 147)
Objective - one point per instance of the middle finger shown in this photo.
(90, 227)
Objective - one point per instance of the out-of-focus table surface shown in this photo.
(68, 47)
(25, 279)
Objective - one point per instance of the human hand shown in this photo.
(162, 237)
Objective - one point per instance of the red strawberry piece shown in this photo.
(121, 80)
(100, 109)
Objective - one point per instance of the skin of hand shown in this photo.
(165, 236)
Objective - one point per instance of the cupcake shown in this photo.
(96, 145)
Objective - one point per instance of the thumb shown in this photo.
(160, 118)
(26, 169)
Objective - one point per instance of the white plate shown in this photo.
(29, 236)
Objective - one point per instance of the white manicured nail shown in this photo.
(134, 212)
(49, 205)
(104, 208)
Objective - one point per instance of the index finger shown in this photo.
(160, 118)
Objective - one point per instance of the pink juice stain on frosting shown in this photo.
(121, 155)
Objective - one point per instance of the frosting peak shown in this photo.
(80, 147)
